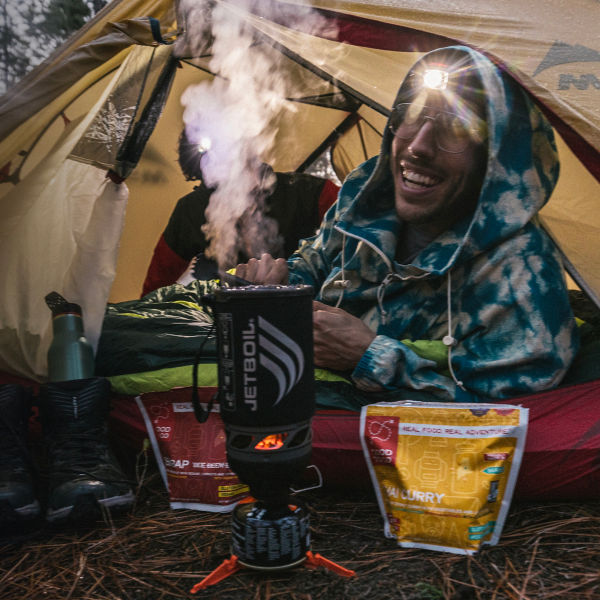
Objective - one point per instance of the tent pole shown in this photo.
(327, 77)
(578, 279)
(344, 126)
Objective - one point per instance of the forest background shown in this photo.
(31, 30)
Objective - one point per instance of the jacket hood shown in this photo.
(522, 170)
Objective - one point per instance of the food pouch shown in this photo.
(444, 473)
(191, 456)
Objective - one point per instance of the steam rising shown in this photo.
(231, 115)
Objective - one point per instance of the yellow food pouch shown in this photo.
(443, 473)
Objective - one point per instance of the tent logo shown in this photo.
(277, 353)
(562, 54)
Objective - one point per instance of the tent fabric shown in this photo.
(49, 89)
(75, 208)
(114, 29)
(60, 231)
(349, 67)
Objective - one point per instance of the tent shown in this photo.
(108, 102)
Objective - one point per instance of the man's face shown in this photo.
(434, 187)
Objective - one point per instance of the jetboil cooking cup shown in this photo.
(266, 383)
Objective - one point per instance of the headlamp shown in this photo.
(435, 79)
(204, 144)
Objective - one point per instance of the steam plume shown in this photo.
(235, 111)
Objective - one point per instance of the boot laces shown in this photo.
(84, 453)
(13, 447)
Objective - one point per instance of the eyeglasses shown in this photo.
(453, 132)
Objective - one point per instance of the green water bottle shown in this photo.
(70, 355)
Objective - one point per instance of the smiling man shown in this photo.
(438, 151)
(432, 276)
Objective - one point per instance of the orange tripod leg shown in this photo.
(225, 569)
(316, 560)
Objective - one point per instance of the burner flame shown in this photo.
(271, 442)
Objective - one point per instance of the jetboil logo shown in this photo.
(265, 345)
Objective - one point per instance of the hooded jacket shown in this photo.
(490, 290)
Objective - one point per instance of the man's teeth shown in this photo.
(418, 179)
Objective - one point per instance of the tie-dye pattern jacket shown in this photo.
(491, 289)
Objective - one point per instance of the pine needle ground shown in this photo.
(547, 550)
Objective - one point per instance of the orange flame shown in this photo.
(271, 442)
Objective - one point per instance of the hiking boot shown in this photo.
(84, 475)
(17, 497)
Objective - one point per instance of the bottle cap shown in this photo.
(59, 305)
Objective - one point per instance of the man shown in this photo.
(433, 245)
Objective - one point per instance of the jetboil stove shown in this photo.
(267, 401)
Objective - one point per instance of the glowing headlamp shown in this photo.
(204, 144)
(435, 79)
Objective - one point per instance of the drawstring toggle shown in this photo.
(449, 340)
(341, 283)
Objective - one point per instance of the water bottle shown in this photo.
(70, 355)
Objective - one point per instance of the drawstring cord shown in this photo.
(449, 340)
(342, 283)
(380, 294)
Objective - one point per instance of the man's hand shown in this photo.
(340, 338)
(266, 270)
